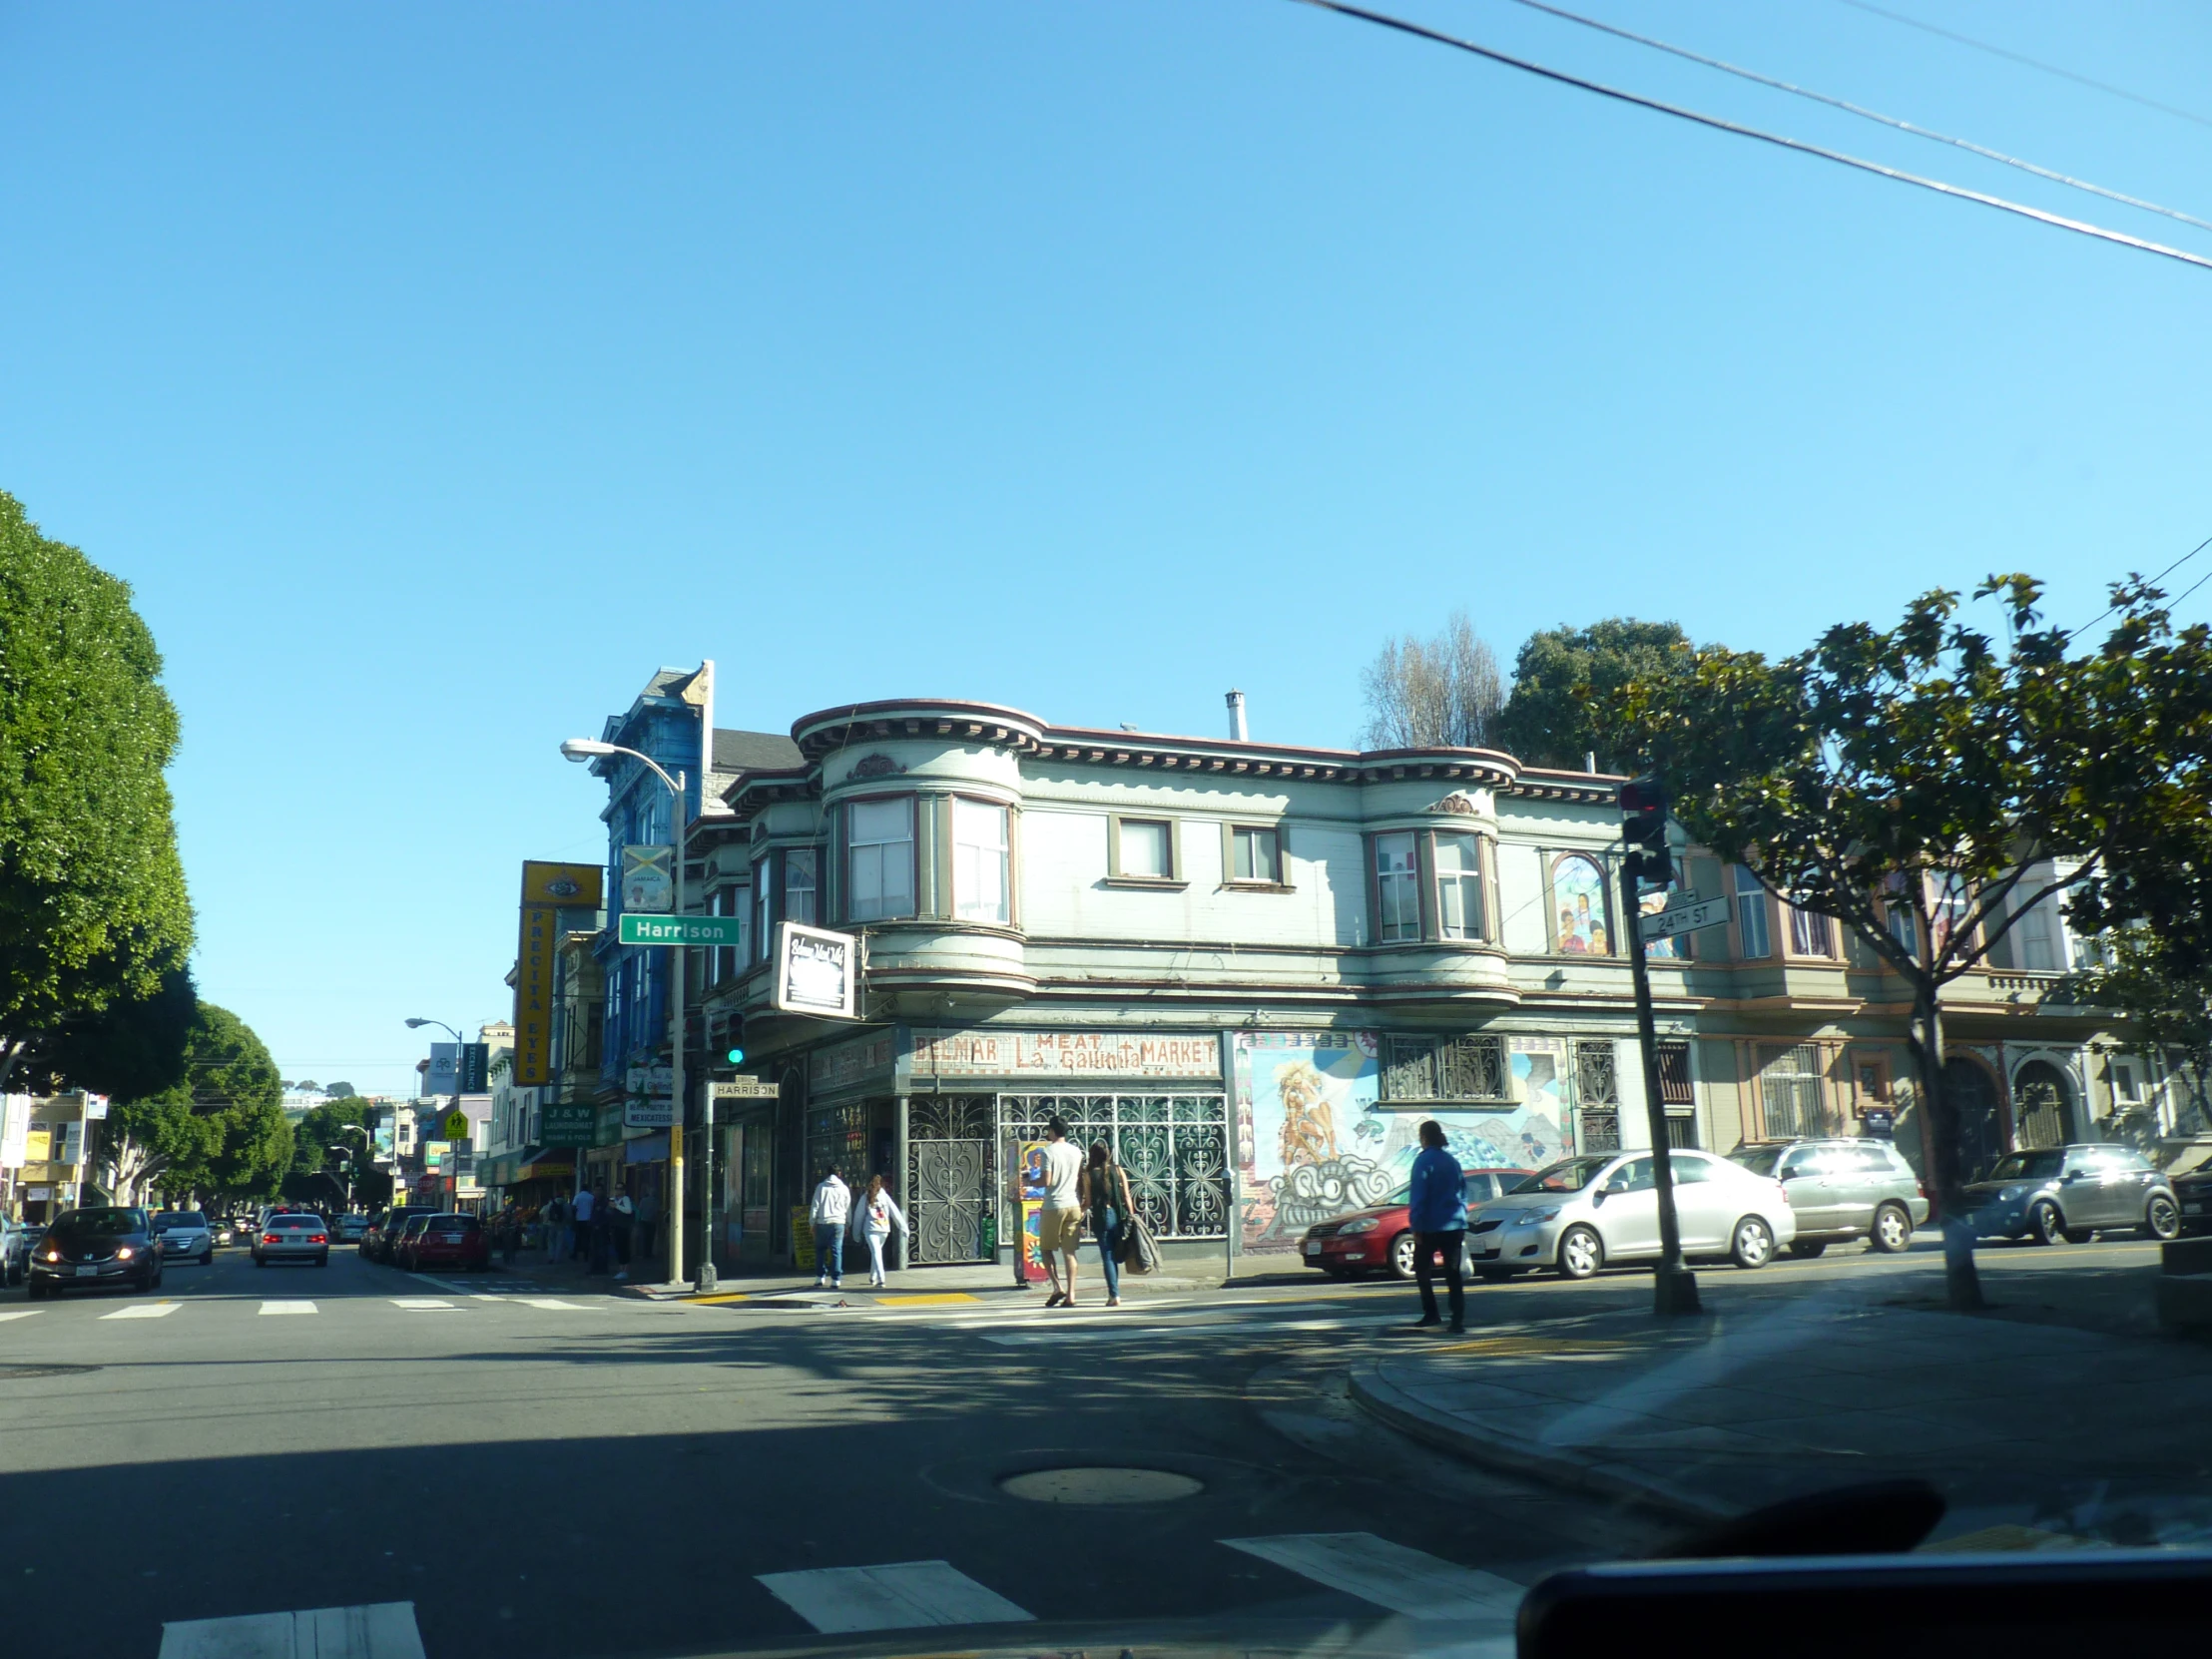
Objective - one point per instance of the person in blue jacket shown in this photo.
(1436, 1207)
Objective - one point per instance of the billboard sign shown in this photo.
(816, 972)
(649, 879)
(568, 1124)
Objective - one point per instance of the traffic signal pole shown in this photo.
(1644, 829)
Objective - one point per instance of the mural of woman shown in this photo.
(1308, 1125)
(1570, 938)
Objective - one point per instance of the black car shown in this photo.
(111, 1245)
(2193, 1191)
(377, 1243)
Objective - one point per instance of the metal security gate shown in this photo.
(1174, 1148)
(951, 1185)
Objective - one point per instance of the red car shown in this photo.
(1370, 1240)
(447, 1241)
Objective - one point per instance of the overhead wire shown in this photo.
(2153, 582)
(1833, 102)
(2032, 63)
(1421, 31)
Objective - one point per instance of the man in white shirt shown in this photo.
(1060, 1220)
(582, 1216)
(830, 1212)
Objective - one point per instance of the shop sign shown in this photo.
(816, 972)
(849, 1063)
(649, 1079)
(569, 1124)
(1064, 1054)
(638, 1112)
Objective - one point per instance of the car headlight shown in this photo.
(123, 1252)
(53, 1254)
(1365, 1224)
(1533, 1218)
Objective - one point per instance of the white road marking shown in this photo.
(901, 1596)
(142, 1311)
(381, 1630)
(1040, 1333)
(21, 1312)
(424, 1304)
(552, 1302)
(1404, 1580)
(296, 1306)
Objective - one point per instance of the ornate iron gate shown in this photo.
(1598, 1096)
(1174, 1148)
(950, 1182)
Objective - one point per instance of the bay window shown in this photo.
(1458, 888)
(979, 863)
(1397, 888)
(880, 854)
(800, 885)
(1751, 913)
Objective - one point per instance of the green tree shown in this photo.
(222, 1129)
(93, 908)
(2168, 1006)
(130, 1050)
(340, 1091)
(1568, 681)
(1924, 771)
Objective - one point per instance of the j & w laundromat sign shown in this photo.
(1064, 1054)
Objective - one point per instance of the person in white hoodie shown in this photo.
(832, 1210)
(879, 1212)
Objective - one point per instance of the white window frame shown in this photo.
(1464, 884)
(1752, 917)
(1117, 864)
(1397, 888)
(797, 886)
(982, 865)
(885, 858)
(1243, 840)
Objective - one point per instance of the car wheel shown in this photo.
(1581, 1253)
(1810, 1249)
(1893, 1230)
(2160, 1218)
(2045, 1225)
(1402, 1256)
(1752, 1245)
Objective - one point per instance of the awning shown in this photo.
(537, 1163)
(646, 1149)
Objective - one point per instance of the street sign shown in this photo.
(707, 930)
(744, 1088)
(1687, 920)
(647, 879)
(569, 1124)
(455, 1126)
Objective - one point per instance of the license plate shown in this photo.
(88, 1273)
(1312, 1247)
(449, 1238)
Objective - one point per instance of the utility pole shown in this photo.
(1648, 858)
(676, 1051)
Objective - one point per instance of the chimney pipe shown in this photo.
(1236, 716)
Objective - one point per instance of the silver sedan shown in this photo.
(292, 1238)
(184, 1234)
(1582, 1212)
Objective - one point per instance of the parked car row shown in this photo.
(413, 1237)
(1579, 1215)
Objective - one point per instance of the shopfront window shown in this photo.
(979, 861)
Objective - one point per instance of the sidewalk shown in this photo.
(970, 1283)
(2068, 1432)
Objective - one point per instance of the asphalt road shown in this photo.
(571, 1475)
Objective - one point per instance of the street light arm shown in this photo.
(645, 759)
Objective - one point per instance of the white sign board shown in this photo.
(650, 1079)
(649, 878)
(640, 1113)
(816, 972)
(15, 1129)
(1688, 919)
(744, 1088)
(96, 1107)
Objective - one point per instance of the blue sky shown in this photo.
(434, 372)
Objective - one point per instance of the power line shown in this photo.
(2153, 582)
(2032, 63)
(2078, 227)
(1859, 110)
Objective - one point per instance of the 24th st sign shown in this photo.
(698, 931)
(1688, 918)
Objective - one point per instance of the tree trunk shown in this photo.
(1961, 1282)
(11, 1050)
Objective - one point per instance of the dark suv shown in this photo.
(1842, 1189)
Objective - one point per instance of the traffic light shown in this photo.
(1644, 831)
(734, 1035)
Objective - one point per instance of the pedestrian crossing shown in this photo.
(913, 1595)
(381, 1630)
(304, 1307)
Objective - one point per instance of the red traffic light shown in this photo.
(1642, 797)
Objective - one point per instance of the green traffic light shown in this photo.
(736, 1056)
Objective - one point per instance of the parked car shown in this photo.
(383, 1234)
(107, 1245)
(2072, 1193)
(402, 1244)
(1582, 1214)
(286, 1237)
(2193, 1191)
(349, 1227)
(185, 1232)
(1842, 1189)
(1380, 1236)
(16, 1239)
(446, 1239)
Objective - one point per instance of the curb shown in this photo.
(731, 1290)
(1392, 1406)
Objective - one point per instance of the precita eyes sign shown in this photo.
(816, 972)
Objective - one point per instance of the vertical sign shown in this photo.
(547, 891)
(649, 879)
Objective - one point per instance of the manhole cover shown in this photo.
(1100, 1486)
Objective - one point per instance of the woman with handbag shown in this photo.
(879, 1212)
(1108, 1211)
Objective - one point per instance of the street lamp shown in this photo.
(459, 1042)
(591, 749)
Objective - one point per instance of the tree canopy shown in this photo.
(93, 908)
(1923, 772)
(222, 1128)
(1565, 680)
(1429, 693)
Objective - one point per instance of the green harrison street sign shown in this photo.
(652, 929)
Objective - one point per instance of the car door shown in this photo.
(2088, 1193)
(1858, 1176)
(1628, 1219)
(1804, 1174)
(1700, 1203)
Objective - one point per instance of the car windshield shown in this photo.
(2027, 1166)
(98, 1223)
(180, 1218)
(1569, 1175)
(1760, 1160)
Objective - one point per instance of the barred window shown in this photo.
(1674, 1074)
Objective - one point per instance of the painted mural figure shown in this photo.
(1578, 889)
(1308, 1125)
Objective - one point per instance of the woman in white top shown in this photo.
(879, 1212)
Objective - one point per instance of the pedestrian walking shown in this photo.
(830, 1212)
(879, 1212)
(622, 1215)
(1437, 1208)
(556, 1230)
(1060, 1222)
(597, 1244)
(580, 1221)
(1108, 1208)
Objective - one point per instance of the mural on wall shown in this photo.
(1307, 1144)
(1579, 906)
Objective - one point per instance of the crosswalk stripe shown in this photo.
(1040, 1333)
(551, 1302)
(296, 1306)
(1407, 1581)
(901, 1596)
(381, 1630)
(424, 1304)
(144, 1310)
(21, 1312)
